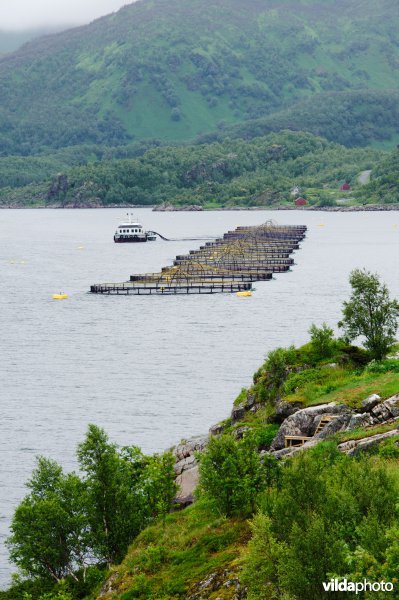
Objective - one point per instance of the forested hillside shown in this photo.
(258, 172)
(176, 69)
(384, 183)
(355, 118)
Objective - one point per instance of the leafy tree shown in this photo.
(67, 524)
(260, 573)
(231, 474)
(322, 339)
(159, 484)
(370, 312)
(117, 511)
(125, 490)
(49, 527)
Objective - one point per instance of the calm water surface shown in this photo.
(150, 370)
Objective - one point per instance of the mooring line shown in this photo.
(192, 239)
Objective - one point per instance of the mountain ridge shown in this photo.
(174, 70)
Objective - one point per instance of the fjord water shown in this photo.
(150, 370)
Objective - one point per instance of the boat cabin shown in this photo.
(130, 231)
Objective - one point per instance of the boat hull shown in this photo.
(129, 240)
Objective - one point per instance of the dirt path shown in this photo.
(364, 177)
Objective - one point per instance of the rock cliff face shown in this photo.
(186, 468)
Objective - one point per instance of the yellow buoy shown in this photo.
(60, 296)
(244, 294)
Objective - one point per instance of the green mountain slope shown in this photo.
(355, 118)
(174, 69)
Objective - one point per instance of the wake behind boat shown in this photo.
(131, 231)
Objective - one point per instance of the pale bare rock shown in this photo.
(369, 403)
(185, 464)
(364, 177)
(187, 482)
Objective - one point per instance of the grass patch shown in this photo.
(362, 433)
(344, 387)
(165, 561)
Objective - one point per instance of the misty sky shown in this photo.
(24, 14)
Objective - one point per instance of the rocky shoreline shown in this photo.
(354, 208)
(198, 208)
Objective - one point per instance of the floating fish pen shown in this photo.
(226, 265)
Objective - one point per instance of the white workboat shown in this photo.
(131, 231)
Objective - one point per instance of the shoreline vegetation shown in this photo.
(267, 172)
(258, 508)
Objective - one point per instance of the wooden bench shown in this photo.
(295, 440)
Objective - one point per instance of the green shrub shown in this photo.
(265, 435)
(329, 514)
(231, 474)
(322, 339)
(298, 380)
(390, 448)
(383, 366)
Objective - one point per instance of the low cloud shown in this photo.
(25, 14)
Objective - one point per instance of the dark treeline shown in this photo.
(261, 171)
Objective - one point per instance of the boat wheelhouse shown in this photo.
(130, 231)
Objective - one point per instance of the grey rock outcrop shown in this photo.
(187, 482)
(361, 420)
(285, 410)
(369, 403)
(240, 432)
(389, 409)
(186, 469)
(304, 422)
(338, 424)
(187, 448)
(185, 464)
(353, 447)
(217, 429)
(237, 413)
